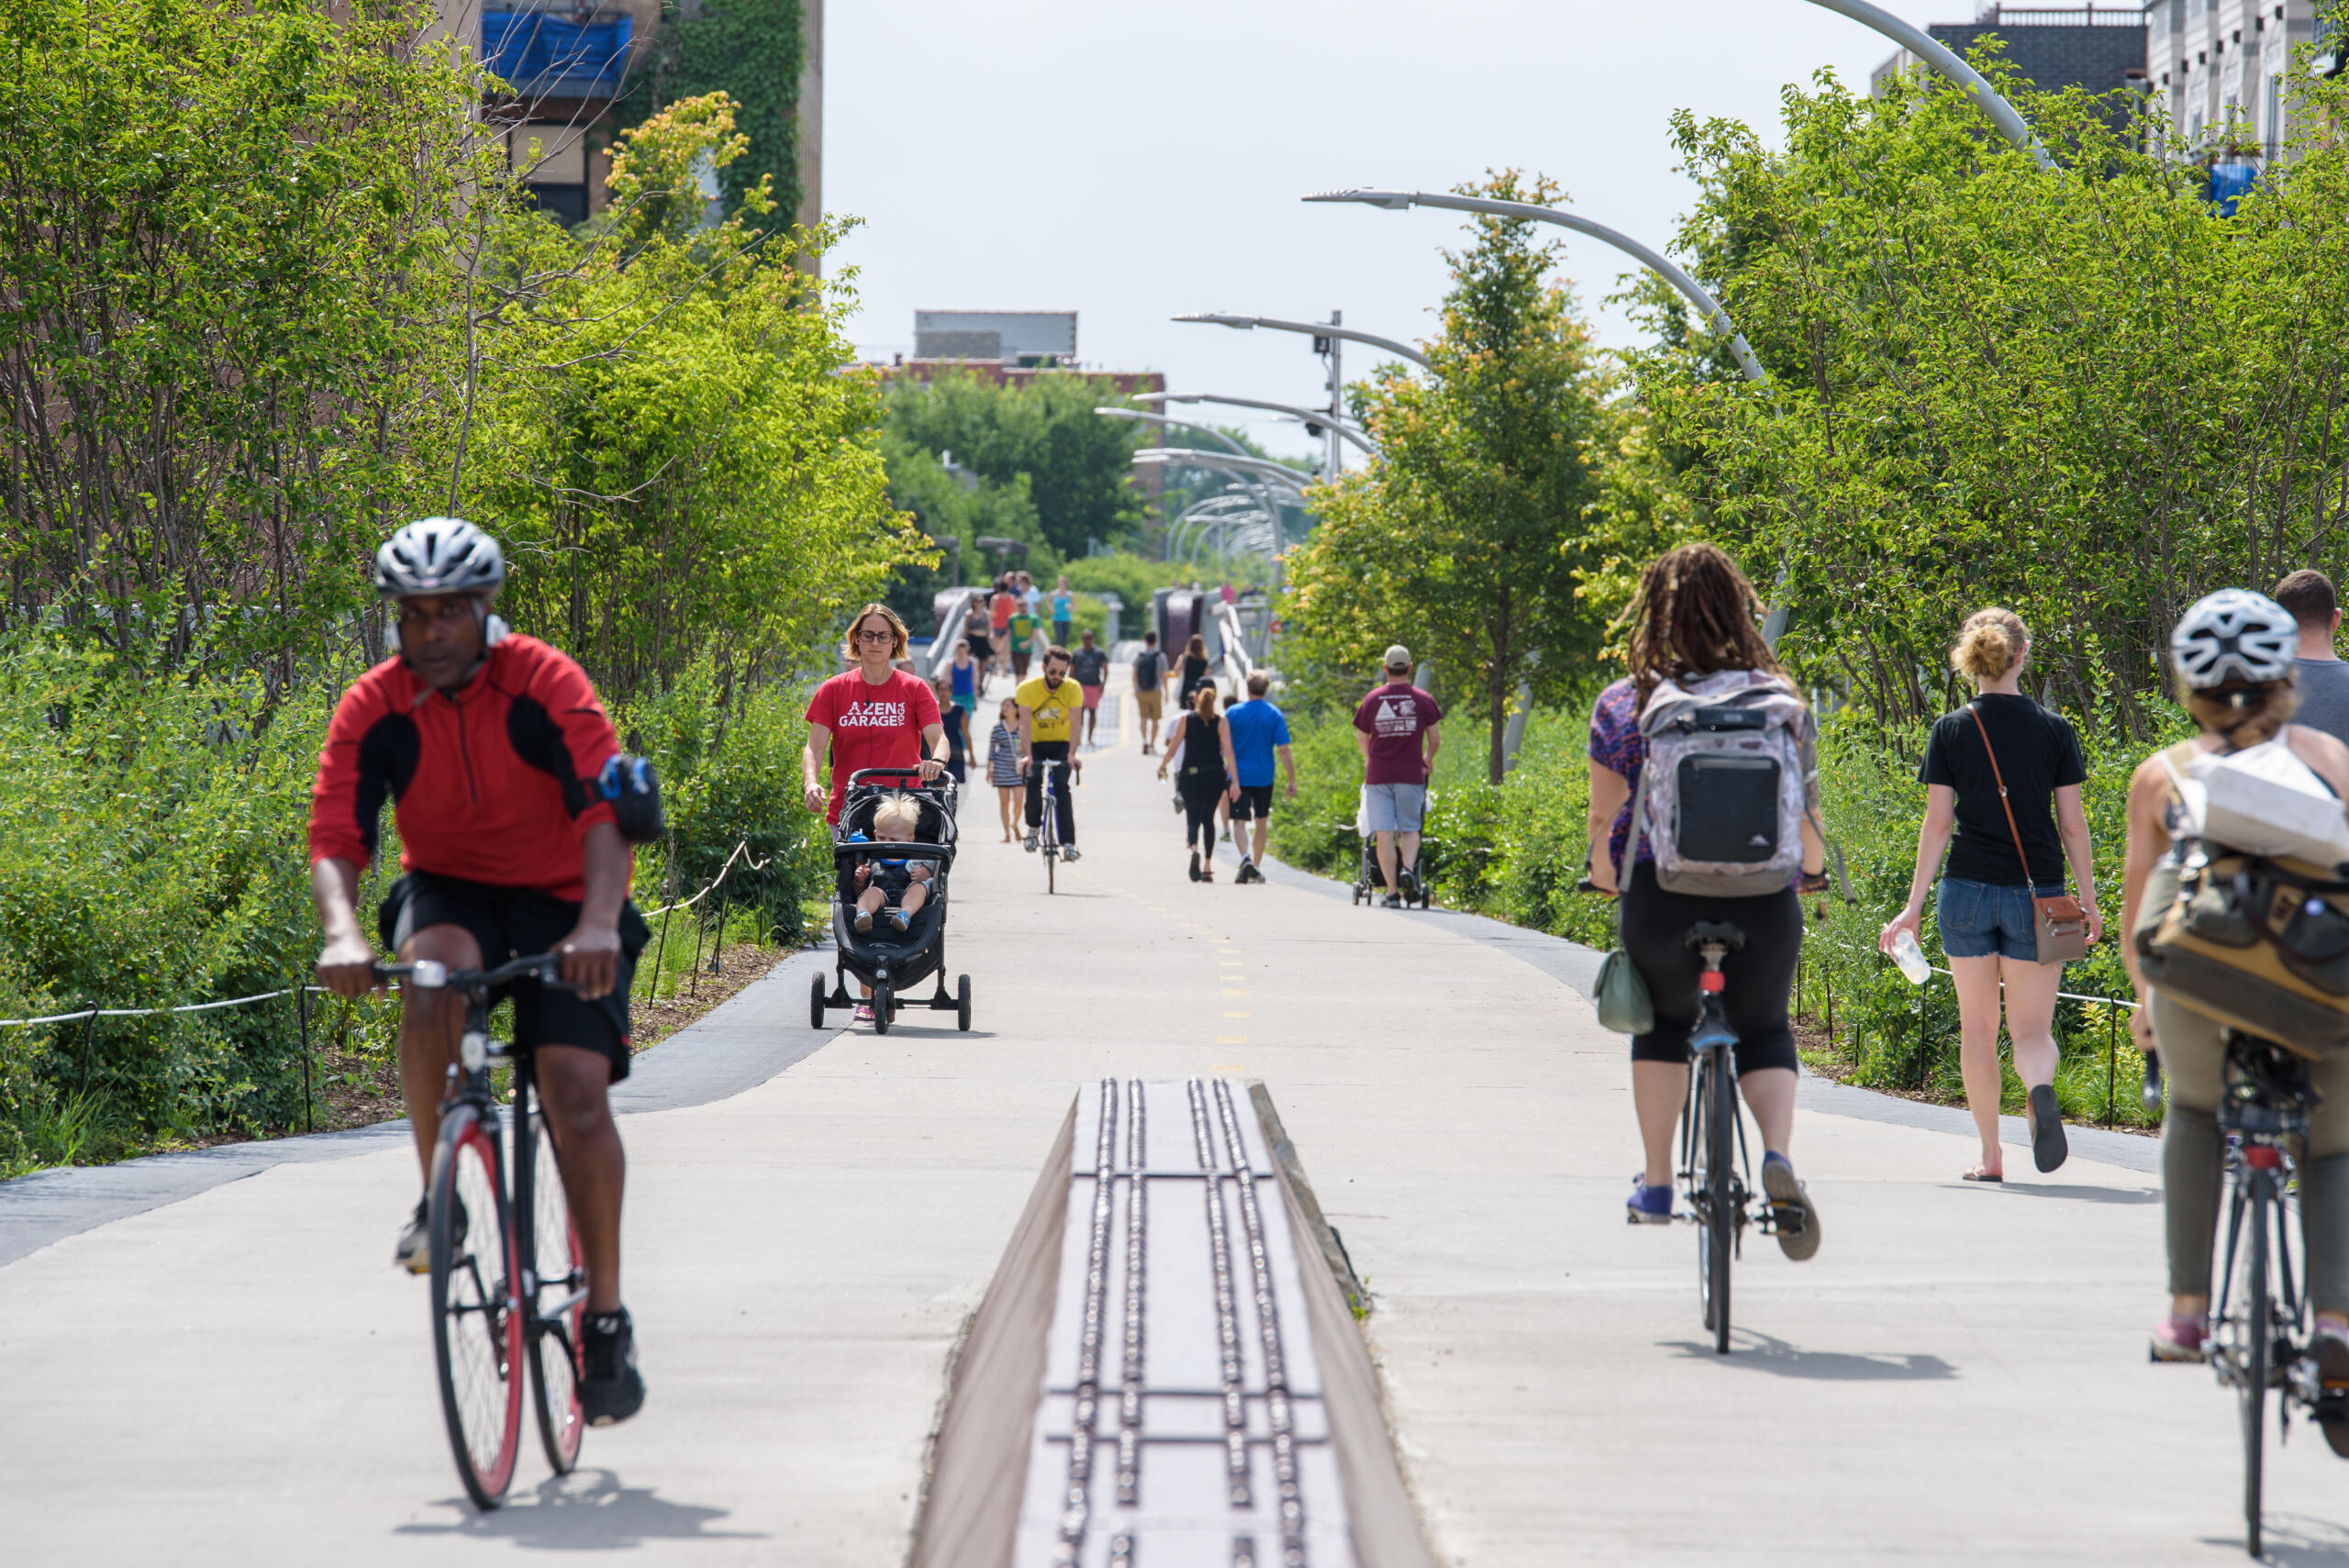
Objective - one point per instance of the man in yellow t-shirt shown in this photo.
(1048, 709)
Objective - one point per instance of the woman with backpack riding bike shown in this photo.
(2233, 653)
(1693, 625)
(2004, 775)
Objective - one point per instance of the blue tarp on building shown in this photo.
(541, 55)
(2229, 182)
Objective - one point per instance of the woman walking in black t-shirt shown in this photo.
(1202, 742)
(1986, 918)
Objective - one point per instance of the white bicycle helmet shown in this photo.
(439, 555)
(2233, 635)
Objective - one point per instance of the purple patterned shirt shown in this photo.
(1616, 743)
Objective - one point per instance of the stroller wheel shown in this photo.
(962, 1002)
(815, 997)
(882, 1009)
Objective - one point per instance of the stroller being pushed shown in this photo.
(1370, 882)
(890, 961)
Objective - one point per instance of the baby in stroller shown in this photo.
(894, 889)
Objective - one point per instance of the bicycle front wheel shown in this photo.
(1721, 1152)
(1049, 859)
(561, 1276)
(2256, 1348)
(476, 1328)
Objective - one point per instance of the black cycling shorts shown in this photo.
(1256, 801)
(507, 922)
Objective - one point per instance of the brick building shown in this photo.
(2098, 47)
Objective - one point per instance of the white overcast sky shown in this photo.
(1130, 161)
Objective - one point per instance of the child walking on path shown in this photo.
(1003, 763)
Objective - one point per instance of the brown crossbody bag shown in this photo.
(2060, 924)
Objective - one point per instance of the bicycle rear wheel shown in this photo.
(1721, 1152)
(2256, 1347)
(561, 1271)
(476, 1330)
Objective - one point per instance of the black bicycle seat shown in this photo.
(1720, 931)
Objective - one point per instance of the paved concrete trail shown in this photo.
(240, 1377)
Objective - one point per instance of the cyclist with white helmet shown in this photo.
(2233, 653)
(490, 746)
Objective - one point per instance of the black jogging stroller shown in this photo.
(1370, 881)
(893, 963)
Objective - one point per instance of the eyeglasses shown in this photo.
(883, 635)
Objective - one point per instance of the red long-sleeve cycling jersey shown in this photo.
(494, 783)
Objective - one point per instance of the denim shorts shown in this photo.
(1982, 919)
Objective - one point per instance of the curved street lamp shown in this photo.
(1263, 496)
(1311, 328)
(1316, 419)
(1280, 475)
(1917, 41)
(1707, 305)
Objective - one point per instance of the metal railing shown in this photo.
(2119, 16)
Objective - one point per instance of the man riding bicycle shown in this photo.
(1048, 709)
(489, 745)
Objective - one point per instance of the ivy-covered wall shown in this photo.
(754, 51)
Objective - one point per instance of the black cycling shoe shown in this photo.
(610, 1388)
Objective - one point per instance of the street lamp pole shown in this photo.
(1311, 417)
(1938, 55)
(1707, 305)
(1311, 329)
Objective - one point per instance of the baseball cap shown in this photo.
(1399, 657)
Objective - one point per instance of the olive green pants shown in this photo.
(2194, 1057)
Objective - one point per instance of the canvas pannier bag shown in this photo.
(2257, 943)
(2058, 923)
(1731, 772)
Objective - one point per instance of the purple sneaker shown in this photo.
(1647, 1205)
(2178, 1339)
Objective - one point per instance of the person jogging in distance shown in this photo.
(480, 739)
(1258, 730)
(1090, 665)
(1149, 689)
(1048, 707)
(2001, 753)
(1399, 730)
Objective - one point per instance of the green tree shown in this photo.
(668, 440)
(2079, 392)
(1467, 537)
(229, 287)
(1079, 466)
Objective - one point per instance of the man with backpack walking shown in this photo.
(1149, 689)
(1399, 730)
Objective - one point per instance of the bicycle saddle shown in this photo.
(1720, 931)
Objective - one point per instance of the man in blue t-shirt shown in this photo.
(1257, 731)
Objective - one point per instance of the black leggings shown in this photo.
(1064, 804)
(1761, 974)
(1200, 792)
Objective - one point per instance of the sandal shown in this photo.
(1979, 1174)
(2048, 1149)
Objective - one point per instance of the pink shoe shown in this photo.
(865, 1012)
(2178, 1339)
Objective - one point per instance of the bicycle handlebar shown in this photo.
(429, 974)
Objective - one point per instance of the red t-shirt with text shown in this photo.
(1393, 717)
(872, 726)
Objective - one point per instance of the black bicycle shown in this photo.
(1715, 1172)
(510, 1284)
(2259, 1338)
(1048, 832)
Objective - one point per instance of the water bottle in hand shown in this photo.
(1911, 957)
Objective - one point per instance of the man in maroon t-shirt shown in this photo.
(875, 716)
(1398, 727)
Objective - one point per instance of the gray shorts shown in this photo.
(1393, 808)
